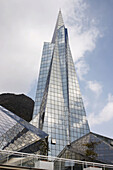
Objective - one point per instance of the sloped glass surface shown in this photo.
(16, 133)
(102, 149)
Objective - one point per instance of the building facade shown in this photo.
(59, 109)
(16, 134)
(90, 147)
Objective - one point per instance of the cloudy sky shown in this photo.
(26, 24)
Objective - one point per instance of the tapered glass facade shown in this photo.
(59, 109)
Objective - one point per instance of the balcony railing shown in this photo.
(20, 159)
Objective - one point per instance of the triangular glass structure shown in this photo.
(59, 109)
(17, 134)
(90, 147)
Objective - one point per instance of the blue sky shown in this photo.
(26, 24)
(97, 84)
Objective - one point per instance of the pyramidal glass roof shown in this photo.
(16, 133)
(102, 146)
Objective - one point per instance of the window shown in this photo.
(53, 141)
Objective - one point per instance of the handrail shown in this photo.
(56, 158)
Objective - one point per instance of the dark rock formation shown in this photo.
(20, 104)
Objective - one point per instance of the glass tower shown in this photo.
(59, 109)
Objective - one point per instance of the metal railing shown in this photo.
(21, 159)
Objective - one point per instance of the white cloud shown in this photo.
(22, 33)
(82, 68)
(83, 42)
(110, 97)
(24, 28)
(83, 33)
(85, 101)
(19, 61)
(95, 86)
(82, 29)
(104, 115)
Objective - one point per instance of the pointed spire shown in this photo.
(59, 23)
